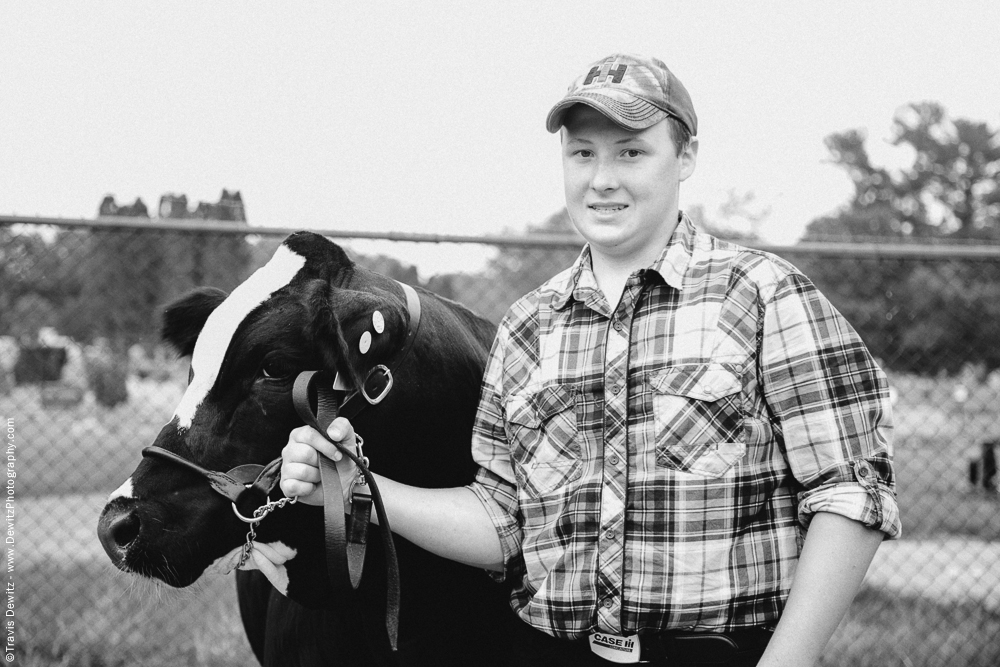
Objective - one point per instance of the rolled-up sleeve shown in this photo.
(494, 484)
(830, 401)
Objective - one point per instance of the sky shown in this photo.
(429, 116)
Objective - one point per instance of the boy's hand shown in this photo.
(300, 461)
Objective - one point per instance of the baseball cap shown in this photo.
(634, 91)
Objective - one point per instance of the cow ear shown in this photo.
(184, 318)
(340, 319)
(324, 329)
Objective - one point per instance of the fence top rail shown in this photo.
(870, 249)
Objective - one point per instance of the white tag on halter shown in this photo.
(378, 322)
(614, 648)
(365, 343)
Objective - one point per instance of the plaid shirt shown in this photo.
(654, 466)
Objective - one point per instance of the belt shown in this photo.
(738, 647)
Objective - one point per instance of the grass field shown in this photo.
(107, 620)
(888, 631)
(91, 615)
(75, 609)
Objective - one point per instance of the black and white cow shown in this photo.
(310, 308)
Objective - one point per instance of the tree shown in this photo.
(515, 271)
(21, 281)
(121, 282)
(950, 191)
(911, 315)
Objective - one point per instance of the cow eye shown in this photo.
(274, 371)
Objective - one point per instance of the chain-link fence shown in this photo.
(84, 385)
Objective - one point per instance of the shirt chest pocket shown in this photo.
(545, 447)
(697, 419)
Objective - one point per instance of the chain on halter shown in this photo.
(258, 514)
(271, 505)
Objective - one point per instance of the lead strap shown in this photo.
(345, 558)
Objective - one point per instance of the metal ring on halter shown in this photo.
(243, 518)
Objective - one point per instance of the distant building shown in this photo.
(229, 207)
(109, 208)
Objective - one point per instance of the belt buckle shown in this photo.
(621, 649)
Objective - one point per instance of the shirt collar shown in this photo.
(670, 266)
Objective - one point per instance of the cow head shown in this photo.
(306, 309)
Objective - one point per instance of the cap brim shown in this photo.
(633, 113)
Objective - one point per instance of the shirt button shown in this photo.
(613, 459)
(616, 389)
(618, 326)
(608, 602)
(611, 534)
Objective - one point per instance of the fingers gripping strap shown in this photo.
(345, 558)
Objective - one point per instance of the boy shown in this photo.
(660, 424)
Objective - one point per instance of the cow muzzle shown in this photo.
(124, 529)
(118, 529)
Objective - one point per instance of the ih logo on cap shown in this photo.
(596, 73)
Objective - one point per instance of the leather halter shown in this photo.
(345, 542)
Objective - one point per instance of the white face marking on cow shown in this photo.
(123, 491)
(218, 331)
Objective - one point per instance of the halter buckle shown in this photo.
(379, 380)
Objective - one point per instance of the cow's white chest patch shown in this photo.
(268, 557)
(218, 331)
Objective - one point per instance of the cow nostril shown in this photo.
(125, 529)
(117, 529)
